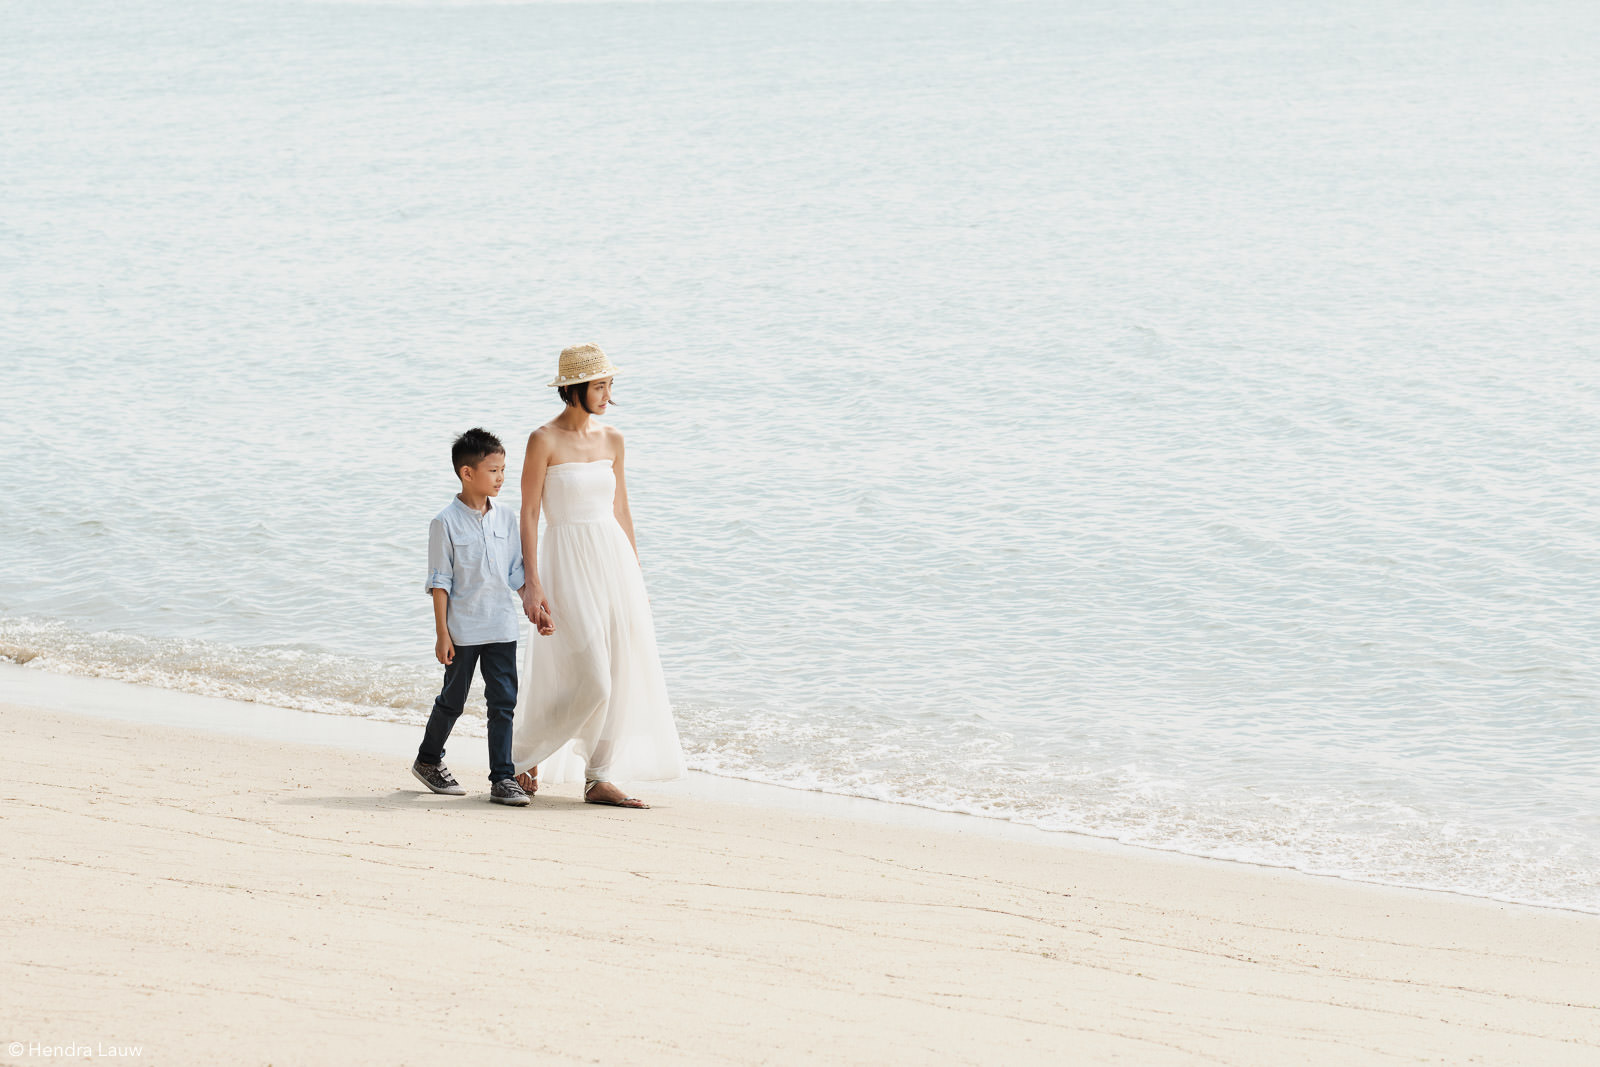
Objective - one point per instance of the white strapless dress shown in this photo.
(593, 702)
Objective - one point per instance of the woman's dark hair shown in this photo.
(475, 446)
(577, 395)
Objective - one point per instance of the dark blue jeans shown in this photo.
(498, 664)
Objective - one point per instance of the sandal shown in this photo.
(625, 802)
(529, 781)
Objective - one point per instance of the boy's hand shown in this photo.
(444, 650)
(537, 608)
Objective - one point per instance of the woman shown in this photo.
(593, 701)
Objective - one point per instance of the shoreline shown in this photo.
(208, 894)
(142, 703)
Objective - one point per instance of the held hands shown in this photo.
(444, 650)
(537, 608)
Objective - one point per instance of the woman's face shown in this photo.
(599, 395)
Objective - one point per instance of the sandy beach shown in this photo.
(210, 897)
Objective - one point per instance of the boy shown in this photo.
(474, 566)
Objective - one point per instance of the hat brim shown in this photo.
(580, 379)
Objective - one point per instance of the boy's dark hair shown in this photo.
(577, 395)
(473, 447)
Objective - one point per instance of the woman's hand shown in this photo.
(537, 607)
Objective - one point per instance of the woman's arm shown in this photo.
(534, 463)
(619, 503)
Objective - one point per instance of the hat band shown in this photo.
(584, 376)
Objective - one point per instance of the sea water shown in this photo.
(1175, 423)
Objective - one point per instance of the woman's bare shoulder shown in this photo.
(541, 444)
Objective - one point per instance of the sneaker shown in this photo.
(507, 791)
(437, 777)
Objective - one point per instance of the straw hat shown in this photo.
(583, 363)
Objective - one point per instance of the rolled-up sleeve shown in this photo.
(516, 577)
(441, 572)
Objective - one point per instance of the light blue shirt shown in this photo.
(477, 559)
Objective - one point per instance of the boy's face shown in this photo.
(487, 477)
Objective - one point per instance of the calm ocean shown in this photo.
(1177, 423)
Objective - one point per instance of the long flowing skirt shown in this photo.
(593, 702)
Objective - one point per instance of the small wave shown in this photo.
(968, 768)
(281, 676)
(1323, 829)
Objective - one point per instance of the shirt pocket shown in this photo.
(500, 550)
(468, 549)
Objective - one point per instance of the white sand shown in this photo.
(216, 898)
